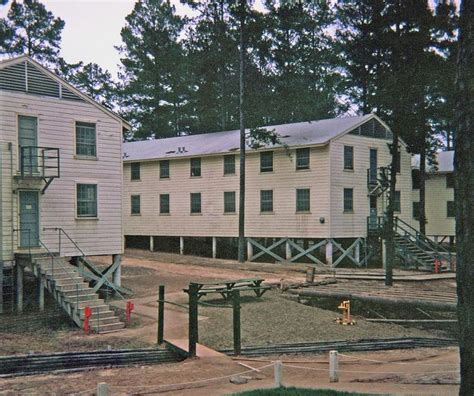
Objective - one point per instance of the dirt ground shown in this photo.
(413, 372)
(270, 319)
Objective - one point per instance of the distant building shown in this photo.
(439, 208)
(313, 199)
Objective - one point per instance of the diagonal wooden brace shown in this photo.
(307, 251)
(346, 252)
(268, 250)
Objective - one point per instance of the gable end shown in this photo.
(372, 128)
(26, 77)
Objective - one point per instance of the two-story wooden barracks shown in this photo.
(310, 200)
(60, 183)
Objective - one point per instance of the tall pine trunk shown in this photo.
(389, 233)
(464, 188)
(422, 214)
(242, 9)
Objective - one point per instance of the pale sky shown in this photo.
(92, 28)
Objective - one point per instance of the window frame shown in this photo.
(308, 208)
(132, 213)
(193, 167)
(351, 167)
(266, 168)
(228, 172)
(262, 208)
(299, 157)
(77, 145)
(234, 210)
(167, 176)
(344, 207)
(78, 201)
(136, 165)
(194, 212)
(397, 202)
(415, 213)
(168, 204)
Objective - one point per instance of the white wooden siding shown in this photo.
(350, 225)
(56, 128)
(437, 196)
(284, 180)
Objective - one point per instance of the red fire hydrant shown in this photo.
(129, 309)
(87, 315)
(437, 266)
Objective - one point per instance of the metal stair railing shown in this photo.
(58, 263)
(435, 250)
(82, 257)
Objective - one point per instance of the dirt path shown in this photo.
(414, 372)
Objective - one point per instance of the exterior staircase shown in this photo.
(414, 249)
(417, 250)
(69, 288)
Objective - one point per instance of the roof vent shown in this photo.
(182, 150)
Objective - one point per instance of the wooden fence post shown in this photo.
(193, 319)
(102, 389)
(236, 321)
(278, 374)
(161, 314)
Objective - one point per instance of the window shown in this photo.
(302, 158)
(397, 202)
(135, 171)
(416, 210)
(229, 202)
(348, 157)
(86, 200)
(266, 161)
(450, 180)
(348, 200)
(450, 209)
(86, 143)
(195, 167)
(266, 201)
(135, 204)
(302, 200)
(415, 179)
(164, 203)
(164, 169)
(195, 202)
(229, 164)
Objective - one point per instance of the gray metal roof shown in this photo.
(298, 134)
(445, 161)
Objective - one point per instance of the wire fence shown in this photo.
(286, 369)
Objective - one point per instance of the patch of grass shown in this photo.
(297, 392)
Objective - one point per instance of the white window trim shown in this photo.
(83, 218)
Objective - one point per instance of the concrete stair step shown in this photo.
(74, 292)
(104, 321)
(103, 310)
(108, 327)
(93, 303)
(101, 315)
(82, 298)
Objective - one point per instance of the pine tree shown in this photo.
(302, 60)
(154, 93)
(35, 31)
(464, 187)
(212, 45)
